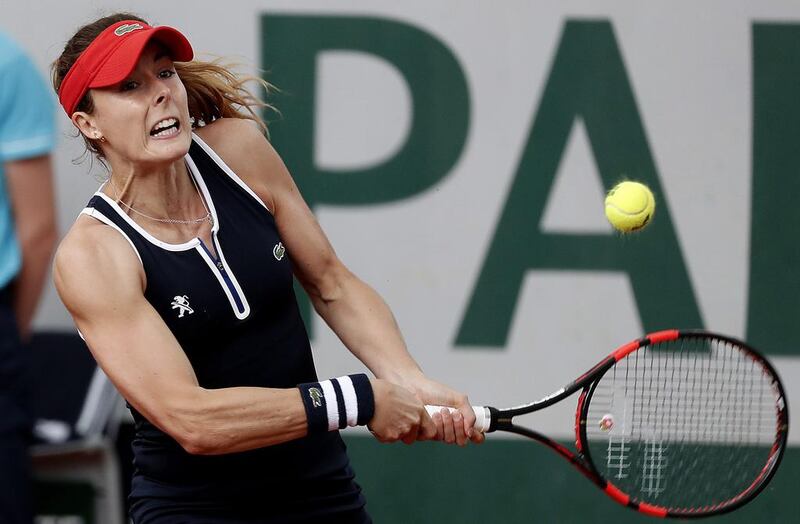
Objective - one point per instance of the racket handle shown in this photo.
(482, 416)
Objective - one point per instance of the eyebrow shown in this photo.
(160, 54)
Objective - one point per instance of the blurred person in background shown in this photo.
(27, 237)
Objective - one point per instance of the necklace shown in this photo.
(205, 218)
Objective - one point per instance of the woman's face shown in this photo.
(144, 118)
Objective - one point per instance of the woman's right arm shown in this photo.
(101, 282)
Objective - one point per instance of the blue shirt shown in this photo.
(26, 130)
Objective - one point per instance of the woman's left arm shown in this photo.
(353, 310)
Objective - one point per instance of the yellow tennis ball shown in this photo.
(630, 206)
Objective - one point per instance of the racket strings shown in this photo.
(692, 423)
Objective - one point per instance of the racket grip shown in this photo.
(482, 416)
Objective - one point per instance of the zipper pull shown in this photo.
(219, 264)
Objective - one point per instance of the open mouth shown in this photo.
(165, 128)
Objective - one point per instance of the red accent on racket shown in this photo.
(682, 424)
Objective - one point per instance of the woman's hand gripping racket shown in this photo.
(676, 424)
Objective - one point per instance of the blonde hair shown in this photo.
(213, 90)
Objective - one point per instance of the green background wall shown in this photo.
(514, 481)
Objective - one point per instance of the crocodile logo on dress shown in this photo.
(278, 251)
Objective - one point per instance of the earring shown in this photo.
(97, 136)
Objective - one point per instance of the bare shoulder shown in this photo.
(244, 148)
(237, 140)
(217, 131)
(94, 256)
(91, 241)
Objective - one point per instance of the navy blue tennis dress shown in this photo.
(236, 317)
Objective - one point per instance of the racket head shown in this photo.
(684, 424)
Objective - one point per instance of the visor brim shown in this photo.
(122, 61)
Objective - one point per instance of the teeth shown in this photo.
(164, 123)
(167, 132)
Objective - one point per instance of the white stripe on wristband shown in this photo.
(331, 404)
(350, 400)
(334, 408)
(338, 403)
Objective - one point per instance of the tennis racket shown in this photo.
(682, 424)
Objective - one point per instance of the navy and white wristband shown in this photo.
(338, 403)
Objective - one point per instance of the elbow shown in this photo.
(203, 441)
(185, 421)
(40, 242)
(49, 238)
(196, 444)
(189, 437)
(331, 286)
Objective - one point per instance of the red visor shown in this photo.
(112, 56)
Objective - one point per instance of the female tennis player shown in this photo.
(178, 274)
